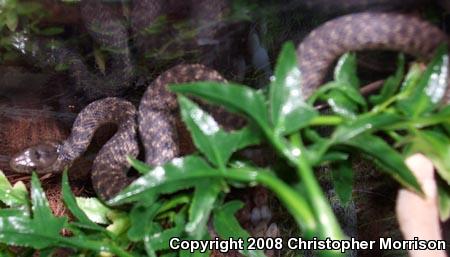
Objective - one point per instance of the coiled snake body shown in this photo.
(155, 117)
(156, 120)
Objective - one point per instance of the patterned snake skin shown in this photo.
(364, 31)
(156, 111)
(107, 25)
(156, 118)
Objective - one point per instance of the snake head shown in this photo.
(39, 158)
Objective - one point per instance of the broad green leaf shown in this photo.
(227, 226)
(345, 70)
(216, 144)
(174, 202)
(182, 171)
(430, 89)
(13, 196)
(387, 157)
(435, 146)
(40, 231)
(141, 219)
(340, 103)
(288, 109)
(391, 84)
(94, 209)
(232, 96)
(342, 174)
(205, 196)
(71, 203)
(344, 96)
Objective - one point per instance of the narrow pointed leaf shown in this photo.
(70, 202)
(288, 109)
(141, 217)
(205, 196)
(180, 172)
(344, 100)
(386, 156)
(431, 87)
(227, 226)
(40, 231)
(341, 104)
(391, 84)
(159, 241)
(13, 196)
(435, 146)
(345, 70)
(216, 144)
(342, 175)
(94, 210)
(364, 123)
(232, 96)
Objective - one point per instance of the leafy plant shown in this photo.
(19, 20)
(404, 118)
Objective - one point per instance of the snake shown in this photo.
(155, 117)
(125, 39)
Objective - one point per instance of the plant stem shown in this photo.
(326, 120)
(293, 201)
(322, 210)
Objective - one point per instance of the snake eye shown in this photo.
(43, 155)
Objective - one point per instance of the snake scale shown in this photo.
(156, 112)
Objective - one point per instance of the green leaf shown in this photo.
(159, 240)
(344, 97)
(70, 202)
(216, 144)
(340, 103)
(205, 196)
(232, 96)
(120, 222)
(94, 209)
(38, 232)
(430, 89)
(435, 146)
(13, 196)
(387, 157)
(391, 84)
(444, 201)
(342, 174)
(180, 173)
(12, 21)
(141, 217)
(364, 123)
(345, 71)
(289, 111)
(227, 226)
